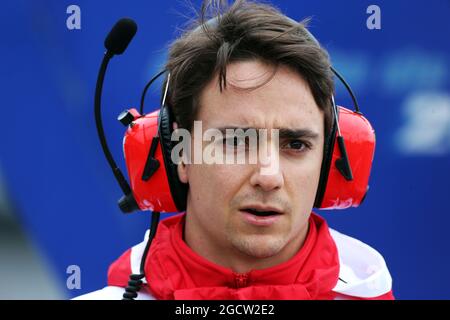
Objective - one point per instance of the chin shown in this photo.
(259, 246)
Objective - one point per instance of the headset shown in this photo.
(147, 146)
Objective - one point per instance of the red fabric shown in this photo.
(120, 270)
(174, 271)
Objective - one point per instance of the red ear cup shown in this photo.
(359, 139)
(154, 193)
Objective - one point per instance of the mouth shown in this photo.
(261, 215)
(260, 212)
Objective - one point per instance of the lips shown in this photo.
(261, 216)
(261, 211)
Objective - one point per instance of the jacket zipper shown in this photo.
(240, 280)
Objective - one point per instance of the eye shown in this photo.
(297, 145)
(234, 141)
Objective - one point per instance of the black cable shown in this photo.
(135, 282)
(144, 92)
(347, 86)
(153, 229)
(342, 280)
(98, 121)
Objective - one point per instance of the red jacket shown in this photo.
(329, 265)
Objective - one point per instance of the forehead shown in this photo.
(261, 96)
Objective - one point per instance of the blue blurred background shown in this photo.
(58, 197)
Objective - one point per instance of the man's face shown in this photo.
(220, 222)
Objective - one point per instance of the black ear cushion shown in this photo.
(178, 189)
(326, 163)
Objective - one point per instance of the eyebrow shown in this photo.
(298, 133)
(284, 133)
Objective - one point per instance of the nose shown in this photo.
(267, 173)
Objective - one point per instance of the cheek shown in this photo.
(214, 185)
(303, 179)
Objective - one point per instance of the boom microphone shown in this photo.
(116, 42)
(120, 36)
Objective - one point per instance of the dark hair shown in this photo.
(243, 31)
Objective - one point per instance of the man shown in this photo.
(249, 233)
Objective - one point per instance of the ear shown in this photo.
(182, 172)
(181, 167)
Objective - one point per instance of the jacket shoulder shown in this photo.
(363, 272)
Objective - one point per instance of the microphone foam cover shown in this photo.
(120, 35)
